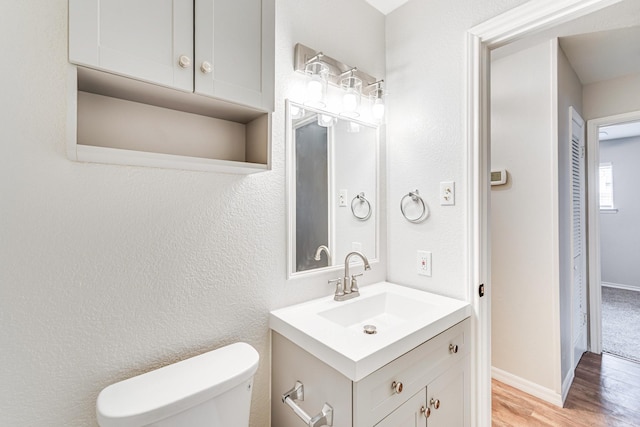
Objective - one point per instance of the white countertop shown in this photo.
(356, 354)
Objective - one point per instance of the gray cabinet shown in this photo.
(432, 379)
(444, 402)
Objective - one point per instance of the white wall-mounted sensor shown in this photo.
(498, 177)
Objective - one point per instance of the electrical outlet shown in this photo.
(447, 193)
(342, 198)
(424, 263)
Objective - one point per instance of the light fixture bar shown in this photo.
(303, 55)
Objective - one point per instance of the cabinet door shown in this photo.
(448, 397)
(409, 414)
(234, 49)
(142, 39)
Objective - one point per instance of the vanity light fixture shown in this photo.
(326, 120)
(317, 73)
(322, 69)
(297, 112)
(352, 90)
(376, 95)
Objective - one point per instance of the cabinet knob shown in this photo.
(184, 61)
(425, 411)
(397, 387)
(453, 348)
(435, 403)
(205, 67)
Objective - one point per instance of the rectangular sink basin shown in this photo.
(334, 332)
(383, 311)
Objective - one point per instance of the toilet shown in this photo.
(209, 390)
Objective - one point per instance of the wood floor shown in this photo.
(605, 392)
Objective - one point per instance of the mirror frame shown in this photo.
(290, 171)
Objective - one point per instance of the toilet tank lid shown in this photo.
(160, 393)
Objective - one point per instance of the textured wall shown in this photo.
(108, 271)
(426, 75)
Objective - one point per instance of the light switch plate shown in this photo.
(342, 198)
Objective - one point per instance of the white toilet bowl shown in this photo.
(209, 390)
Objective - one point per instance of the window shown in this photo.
(606, 186)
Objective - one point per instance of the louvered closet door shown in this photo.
(578, 245)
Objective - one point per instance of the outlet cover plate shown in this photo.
(423, 264)
(447, 193)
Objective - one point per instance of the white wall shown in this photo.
(569, 95)
(612, 97)
(107, 271)
(426, 76)
(524, 234)
(620, 232)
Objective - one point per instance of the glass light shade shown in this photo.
(297, 112)
(352, 87)
(377, 104)
(326, 120)
(316, 84)
(377, 109)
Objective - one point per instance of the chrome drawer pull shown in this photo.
(453, 348)
(397, 387)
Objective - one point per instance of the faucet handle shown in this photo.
(339, 287)
(354, 282)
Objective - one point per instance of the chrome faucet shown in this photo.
(347, 288)
(323, 248)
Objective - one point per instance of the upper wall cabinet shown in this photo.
(232, 59)
(218, 48)
(184, 84)
(150, 40)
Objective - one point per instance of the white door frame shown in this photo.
(595, 273)
(527, 19)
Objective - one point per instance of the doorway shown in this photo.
(523, 22)
(612, 263)
(538, 248)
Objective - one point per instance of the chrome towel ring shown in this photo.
(360, 198)
(415, 196)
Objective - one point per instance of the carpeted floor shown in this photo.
(621, 322)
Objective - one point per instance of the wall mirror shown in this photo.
(332, 189)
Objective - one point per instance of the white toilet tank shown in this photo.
(209, 390)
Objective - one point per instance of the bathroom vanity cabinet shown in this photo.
(427, 386)
(201, 70)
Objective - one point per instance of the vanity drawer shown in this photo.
(374, 395)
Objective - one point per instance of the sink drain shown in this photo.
(370, 329)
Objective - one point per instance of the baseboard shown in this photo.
(619, 286)
(527, 386)
(566, 385)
